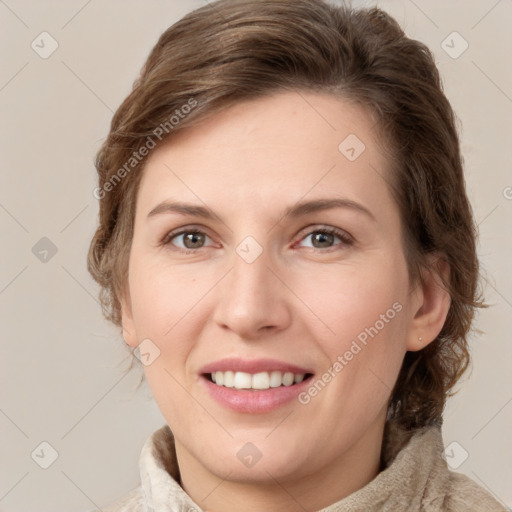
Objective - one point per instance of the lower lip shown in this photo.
(254, 401)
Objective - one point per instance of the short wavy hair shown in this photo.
(235, 50)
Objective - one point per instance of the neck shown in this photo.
(341, 477)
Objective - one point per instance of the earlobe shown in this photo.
(432, 304)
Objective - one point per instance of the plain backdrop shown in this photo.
(63, 372)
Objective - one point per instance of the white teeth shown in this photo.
(229, 379)
(276, 379)
(288, 379)
(261, 380)
(243, 380)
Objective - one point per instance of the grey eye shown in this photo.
(190, 240)
(322, 240)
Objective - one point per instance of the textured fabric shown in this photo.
(415, 479)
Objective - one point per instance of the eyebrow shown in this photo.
(298, 210)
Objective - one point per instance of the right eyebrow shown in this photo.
(181, 208)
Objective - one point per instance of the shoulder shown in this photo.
(132, 502)
(416, 459)
(465, 495)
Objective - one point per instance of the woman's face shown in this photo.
(267, 247)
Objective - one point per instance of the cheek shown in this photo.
(163, 297)
(355, 303)
(364, 341)
(166, 307)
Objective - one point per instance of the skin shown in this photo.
(298, 302)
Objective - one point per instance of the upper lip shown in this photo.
(252, 366)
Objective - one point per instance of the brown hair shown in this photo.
(230, 51)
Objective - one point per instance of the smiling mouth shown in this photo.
(256, 381)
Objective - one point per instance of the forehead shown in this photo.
(276, 149)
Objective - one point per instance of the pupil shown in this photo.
(195, 240)
(324, 239)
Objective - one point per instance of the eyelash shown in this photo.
(345, 238)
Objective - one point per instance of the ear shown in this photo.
(431, 303)
(128, 325)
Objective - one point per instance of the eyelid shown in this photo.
(343, 235)
(313, 228)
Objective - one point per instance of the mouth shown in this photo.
(254, 386)
(259, 381)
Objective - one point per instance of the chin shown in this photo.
(258, 461)
(265, 471)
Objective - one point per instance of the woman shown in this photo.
(286, 242)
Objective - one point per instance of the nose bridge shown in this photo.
(251, 299)
(250, 277)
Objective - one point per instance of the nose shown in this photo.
(252, 301)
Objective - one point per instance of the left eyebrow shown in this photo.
(306, 207)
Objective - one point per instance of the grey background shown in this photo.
(63, 370)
